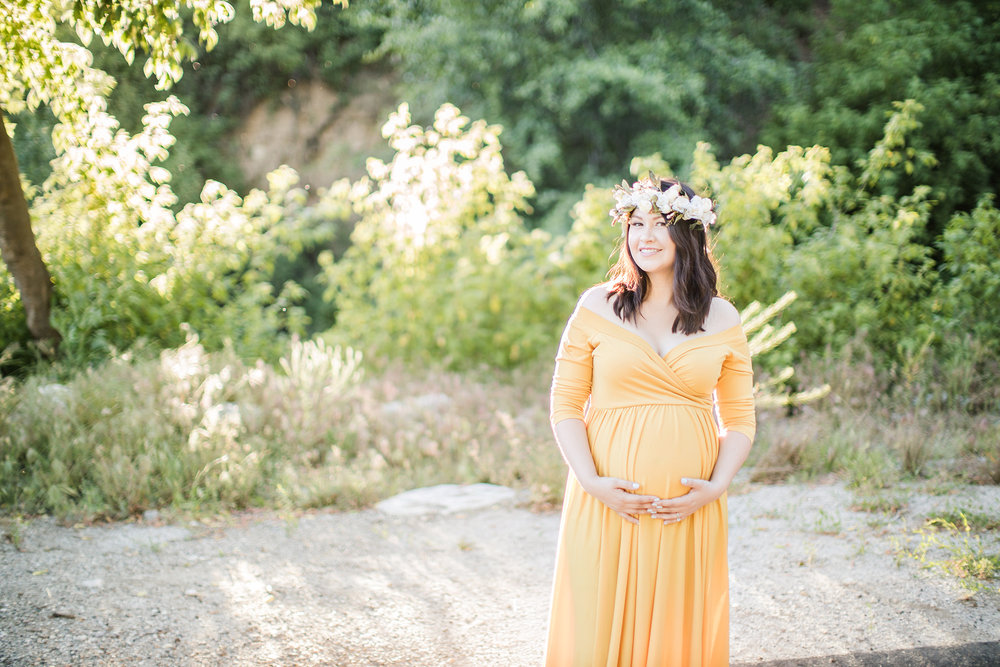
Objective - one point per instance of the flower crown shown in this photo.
(645, 194)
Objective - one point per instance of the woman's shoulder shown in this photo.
(722, 316)
(596, 299)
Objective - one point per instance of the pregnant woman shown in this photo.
(652, 408)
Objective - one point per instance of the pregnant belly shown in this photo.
(654, 445)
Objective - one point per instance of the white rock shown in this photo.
(58, 395)
(446, 499)
(422, 403)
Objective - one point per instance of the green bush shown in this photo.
(971, 272)
(126, 267)
(864, 56)
(441, 266)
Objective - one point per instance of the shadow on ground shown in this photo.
(980, 654)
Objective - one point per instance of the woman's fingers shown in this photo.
(677, 509)
(619, 495)
(628, 517)
(624, 484)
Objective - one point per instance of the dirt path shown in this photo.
(810, 577)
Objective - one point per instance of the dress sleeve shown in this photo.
(574, 371)
(734, 392)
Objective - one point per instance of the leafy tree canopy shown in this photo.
(581, 87)
(865, 56)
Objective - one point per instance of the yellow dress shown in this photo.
(647, 594)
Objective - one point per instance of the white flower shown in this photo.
(682, 205)
(644, 205)
(700, 208)
(645, 195)
(665, 200)
(626, 202)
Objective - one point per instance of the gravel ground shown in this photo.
(810, 577)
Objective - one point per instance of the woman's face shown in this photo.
(649, 242)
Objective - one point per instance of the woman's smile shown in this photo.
(649, 242)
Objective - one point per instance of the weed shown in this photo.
(15, 532)
(862, 547)
(810, 555)
(879, 502)
(207, 432)
(978, 521)
(965, 556)
(869, 468)
(827, 524)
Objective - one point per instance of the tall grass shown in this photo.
(194, 430)
(927, 420)
(199, 431)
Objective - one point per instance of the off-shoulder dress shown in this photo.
(646, 594)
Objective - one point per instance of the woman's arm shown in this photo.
(617, 494)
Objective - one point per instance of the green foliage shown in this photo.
(971, 268)
(218, 85)
(441, 266)
(855, 256)
(126, 267)
(582, 87)
(865, 56)
(159, 29)
(442, 262)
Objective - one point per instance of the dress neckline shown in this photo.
(649, 345)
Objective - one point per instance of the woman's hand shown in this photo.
(702, 492)
(618, 495)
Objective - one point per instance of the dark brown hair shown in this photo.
(695, 277)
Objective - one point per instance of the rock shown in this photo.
(57, 395)
(417, 404)
(446, 499)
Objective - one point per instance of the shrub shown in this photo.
(441, 266)
(126, 267)
(971, 272)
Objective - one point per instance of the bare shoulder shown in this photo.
(596, 300)
(722, 315)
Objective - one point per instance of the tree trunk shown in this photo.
(19, 252)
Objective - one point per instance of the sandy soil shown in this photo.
(810, 577)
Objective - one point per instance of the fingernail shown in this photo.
(635, 485)
(684, 480)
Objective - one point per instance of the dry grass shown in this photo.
(203, 432)
(208, 432)
(873, 430)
